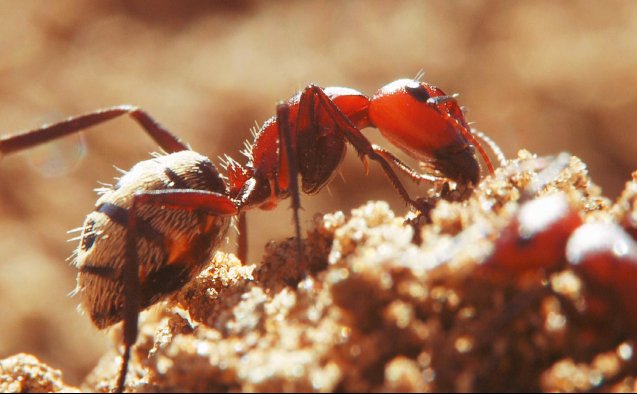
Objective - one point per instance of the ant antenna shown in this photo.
(495, 149)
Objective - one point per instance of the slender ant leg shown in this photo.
(25, 140)
(405, 169)
(182, 199)
(286, 143)
(242, 241)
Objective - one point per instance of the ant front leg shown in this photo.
(186, 200)
(425, 204)
(405, 169)
(28, 139)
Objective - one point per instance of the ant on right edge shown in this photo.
(548, 235)
(157, 227)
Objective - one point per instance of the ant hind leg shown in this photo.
(286, 144)
(30, 138)
(184, 199)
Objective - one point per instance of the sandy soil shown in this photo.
(545, 76)
(376, 311)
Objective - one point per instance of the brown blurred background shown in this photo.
(545, 76)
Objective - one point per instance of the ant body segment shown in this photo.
(158, 226)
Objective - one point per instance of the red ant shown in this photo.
(548, 235)
(415, 116)
(158, 226)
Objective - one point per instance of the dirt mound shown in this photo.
(377, 312)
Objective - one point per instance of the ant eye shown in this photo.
(418, 92)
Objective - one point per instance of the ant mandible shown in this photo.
(158, 226)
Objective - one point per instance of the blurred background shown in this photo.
(545, 76)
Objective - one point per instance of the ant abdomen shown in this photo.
(173, 245)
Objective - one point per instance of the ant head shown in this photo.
(460, 166)
(419, 118)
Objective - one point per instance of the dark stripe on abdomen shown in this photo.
(119, 215)
(178, 182)
(104, 272)
(116, 213)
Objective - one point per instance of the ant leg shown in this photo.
(353, 135)
(184, 199)
(132, 296)
(240, 199)
(27, 139)
(286, 145)
(240, 187)
(415, 176)
(242, 250)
